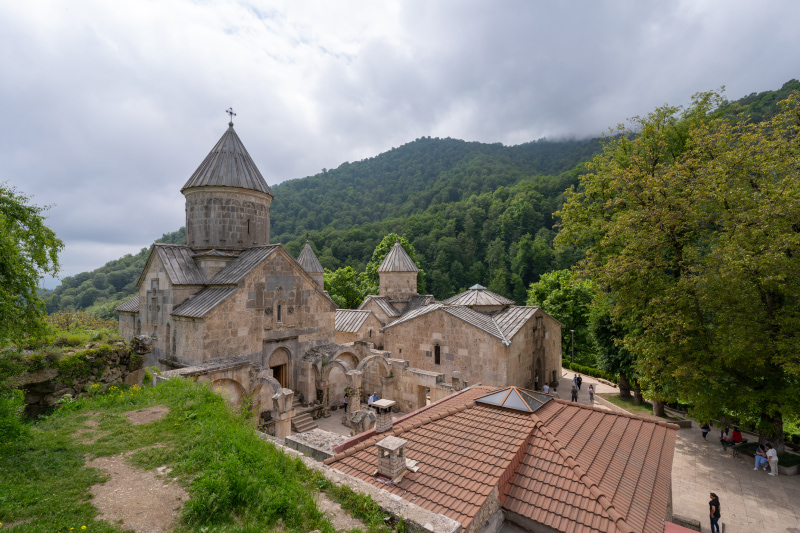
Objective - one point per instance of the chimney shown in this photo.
(391, 457)
(383, 408)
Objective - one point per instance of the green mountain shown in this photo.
(475, 213)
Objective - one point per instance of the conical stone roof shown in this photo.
(308, 260)
(228, 165)
(397, 260)
(478, 295)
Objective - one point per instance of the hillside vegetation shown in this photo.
(475, 213)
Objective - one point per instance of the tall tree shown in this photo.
(28, 250)
(566, 298)
(691, 223)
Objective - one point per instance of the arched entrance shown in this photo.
(279, 364)
(374, 368)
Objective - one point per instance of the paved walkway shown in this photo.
(751, 500)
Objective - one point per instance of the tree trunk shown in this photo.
(624, 387)
(776, 439)
(637, 393)
(658, 408)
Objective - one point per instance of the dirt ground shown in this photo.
(144, 416)
(340, 519)
(143, 501)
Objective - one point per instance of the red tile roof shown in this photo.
(570, 467)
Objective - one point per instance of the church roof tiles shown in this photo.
(397, 260)
(204, 301)
(308, 260)
(239, 267)
(350, 320)
(228, 165)
(178, 264)
(129, 306)
(478, 295)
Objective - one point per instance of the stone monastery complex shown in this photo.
(232, 309)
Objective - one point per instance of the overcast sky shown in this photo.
(108, 107)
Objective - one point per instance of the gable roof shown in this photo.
(308, 260)
(482, 321)
(242, 265)
(478, 295)
(350, 320)
(383, 303)
(511, 319)
(129, 306)
(203, 302)
(228, 165)
(418, 300)
(397, 260)
(178, 263)
(568, 466)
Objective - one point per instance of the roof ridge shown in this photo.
(661, 423)
(502, 335)
(583, 477)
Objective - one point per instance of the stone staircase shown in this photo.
(302, 423)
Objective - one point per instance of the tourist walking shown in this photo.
(345, 403)
(575, 379)
(574, 393)
(761, 457)
(713, 512)
(578, 381)
(536, 382)
(705, 428)
(772, 457)
(555, 393)
(546, 388)
(591, 393)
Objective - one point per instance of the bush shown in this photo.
(589, 371)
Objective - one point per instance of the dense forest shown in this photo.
(474, 212)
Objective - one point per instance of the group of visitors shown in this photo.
(577, 380)
(370, 399)
(766, 454)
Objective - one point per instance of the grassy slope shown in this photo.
(237, 481)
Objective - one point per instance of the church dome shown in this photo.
(228, 165)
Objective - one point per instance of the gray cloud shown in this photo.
(109, 107)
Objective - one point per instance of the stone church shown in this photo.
(242, 313)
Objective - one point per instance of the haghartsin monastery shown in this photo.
(473, 446)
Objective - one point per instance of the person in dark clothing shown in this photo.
(579, 381)
(706, 428)
(574, 393)
(713, 512)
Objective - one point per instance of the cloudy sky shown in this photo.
(108, 107)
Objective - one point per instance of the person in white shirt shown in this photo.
(369, 400)
(772, 458)
(546, 388)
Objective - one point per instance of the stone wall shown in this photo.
(368, 332)
(76, 371)
(398, 285)
(226, 219)
(479, 357)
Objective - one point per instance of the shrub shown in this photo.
(589, 371)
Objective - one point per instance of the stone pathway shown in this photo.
(751, 500)
(565, 388)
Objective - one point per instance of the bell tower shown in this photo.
(227, 199)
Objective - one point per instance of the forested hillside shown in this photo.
(475, 213)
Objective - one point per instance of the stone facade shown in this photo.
(398, 285)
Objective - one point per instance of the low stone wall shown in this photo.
(76, 371)
(317, 443)
(416, 518)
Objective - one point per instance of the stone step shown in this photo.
(296, 400)
(302, 423)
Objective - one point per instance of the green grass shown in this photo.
(646, 409)
(237, 481)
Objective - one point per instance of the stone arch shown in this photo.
(373, 367)
(279, 361)
(230, 389)
(266, 387)
(347, 357)
(334, 381)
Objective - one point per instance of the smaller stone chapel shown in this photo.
(234, 309)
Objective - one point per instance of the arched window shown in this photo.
(279, 313)
(437, 354)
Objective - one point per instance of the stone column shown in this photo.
(282, 413)
(391, 457)
(325, 395)
(383, 409)
(354, 382)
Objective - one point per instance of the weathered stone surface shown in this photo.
(135, 377)
(317, 443)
